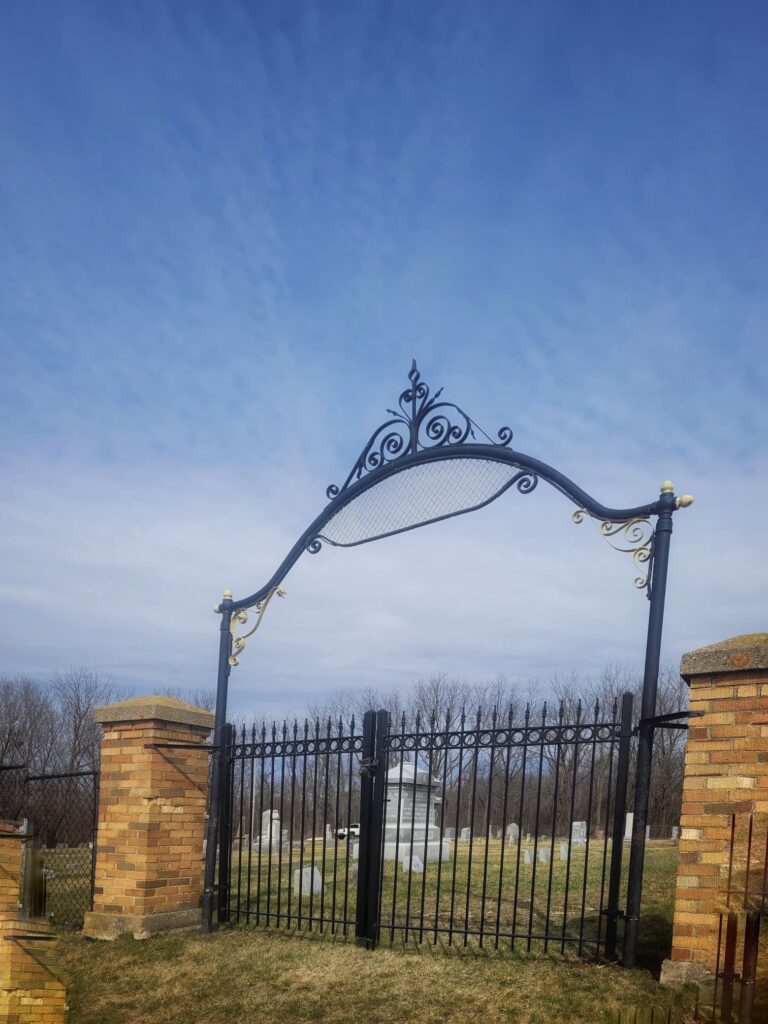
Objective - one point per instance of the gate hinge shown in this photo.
(369, 766)
(670, 721)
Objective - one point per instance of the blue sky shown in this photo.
(228, 228)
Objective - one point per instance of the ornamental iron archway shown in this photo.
(428, 462)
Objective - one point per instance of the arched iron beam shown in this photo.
(490, 452)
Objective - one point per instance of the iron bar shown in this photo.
(212, 829)
(520, 816)
(662, 537)
(536, 825)
(488, 828)
(507, 759)
(472, 806)
(620, 808)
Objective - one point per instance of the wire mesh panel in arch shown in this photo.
(295, 800)
(502, 834)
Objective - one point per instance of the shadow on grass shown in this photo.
(654, 942)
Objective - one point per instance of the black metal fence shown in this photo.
(739, 994)
(295, 813)
(60, 811)
(487, 832)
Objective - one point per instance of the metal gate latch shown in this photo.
(369, 766)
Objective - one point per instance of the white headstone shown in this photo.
(328, 834)
(513, 834)
(499, 834)
(628, 828)
(465, 834)
(307, 880)
(579, 833)
(563, 851)
(675, 832)
(527, 856)
(647, 832)
(450, 833)
(544, 855)
(416, 865)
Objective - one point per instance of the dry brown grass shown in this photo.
(237, 975)
(252, 974)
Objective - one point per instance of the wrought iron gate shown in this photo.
(430, 461)
(485, 832)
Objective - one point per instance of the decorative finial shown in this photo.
(667, 487)
(684, 501)
(227, 595)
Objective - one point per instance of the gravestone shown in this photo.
(410, 823)
(306, 880)
(513, 834)
(675, 832)
(628, 827)
(543, 855)
(528, 857)
(563, 851)
(579, 833)
(450, 833)
(647, 832)
(416, 864)
(465, 835)
(328, 834)
(499, 834)
(270, 830)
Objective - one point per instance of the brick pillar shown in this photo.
(10, 867)
(149, 845)
(31, 988)
(726, 772)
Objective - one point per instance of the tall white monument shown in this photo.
(410, 821)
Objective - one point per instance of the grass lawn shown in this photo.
(242, 974)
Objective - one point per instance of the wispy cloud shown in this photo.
(226, 235)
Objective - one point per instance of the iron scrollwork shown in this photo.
(633, 537)
(241, 617)
(421, 423)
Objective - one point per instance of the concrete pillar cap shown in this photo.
(157, 708)
(738, 654)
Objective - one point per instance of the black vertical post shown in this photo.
(619, 813)
(373, 772)
(225, 822)
(662, 536)
(729, 968)
(212, 829)
(749, 968)
(94, 834)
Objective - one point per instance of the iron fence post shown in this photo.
(749, 968)
(225, 822)
(661, 541)
(214, 801)
(94, 835)
(373, 772)
(619, 812)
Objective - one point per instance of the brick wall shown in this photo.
(151, 818)
(726, 773)
(10, 868)
(31, 988)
